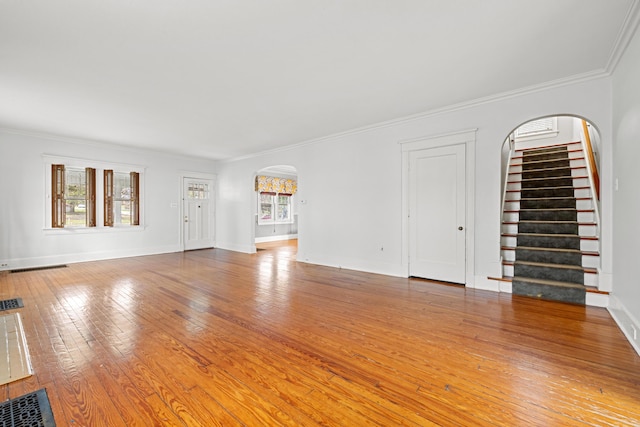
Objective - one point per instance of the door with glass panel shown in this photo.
(197, 213)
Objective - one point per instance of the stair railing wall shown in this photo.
(512, 149)
(592, 168)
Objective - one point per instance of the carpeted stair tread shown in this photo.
(548, 198)
(531, 221)
(534, 248)
(553, 154)
(557, 169)
(533, 164)
(549, 222)
(544, 173)
(550, 282)
(561, 202)
(548, 227)
(546, 264)
(558, 191)
(547, 148)
(549, 291)
(546, 179)
(548, 214)
(547, 235)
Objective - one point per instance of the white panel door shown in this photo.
(197, 212)
(437, 208)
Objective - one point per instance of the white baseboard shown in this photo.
(627, 323)
(246, 249)
(51, 260)
(276, 238)
(387, 269)
(597, 300)
(485, 284)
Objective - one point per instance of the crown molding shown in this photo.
(566, 81)
(628, 29)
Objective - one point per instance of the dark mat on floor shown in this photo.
(30, 410)
(9, 304)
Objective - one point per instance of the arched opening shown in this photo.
(550, 230)
(276, 213)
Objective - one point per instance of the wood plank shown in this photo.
(213, 337)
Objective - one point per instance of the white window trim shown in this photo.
(273, 221)
(100, 166)
(542, 134)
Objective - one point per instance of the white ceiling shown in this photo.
(226, 78)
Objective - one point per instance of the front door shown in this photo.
(437, 206)
(197, 212)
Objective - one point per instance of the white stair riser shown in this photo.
(581, 192)
(588, 230)
(511, 216)
(586, 216)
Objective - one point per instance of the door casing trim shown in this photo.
(468, 138)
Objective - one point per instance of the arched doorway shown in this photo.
(276, 213)
(550, 208)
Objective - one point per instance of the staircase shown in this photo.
(549, 230)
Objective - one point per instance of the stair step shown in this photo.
(515, 235)
(547, 240)
(549, 290)
(549, 256)
(522, 154)
(549, 214)
(566, 191)
(548, 227)
(560, 162)
(547, 198)
(543, 148)
(549, 271)
(549, 265)
(584, 253)
(550, 282)
(586, 270)
(591, 289)
(546, 178)
(562, 171)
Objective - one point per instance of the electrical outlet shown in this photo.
(4, 265)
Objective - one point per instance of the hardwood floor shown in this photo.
(212, 337)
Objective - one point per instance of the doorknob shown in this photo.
(461, 228)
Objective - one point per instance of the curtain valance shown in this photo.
(272, 184)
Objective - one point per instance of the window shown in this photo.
(75, 197)
(283, 213)
(274, 208)
(121, 198)
(265, 207)
(538, 127)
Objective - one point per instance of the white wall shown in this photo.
(352, 183)
(625, 305)
(24, 240)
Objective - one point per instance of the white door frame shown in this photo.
(468, 138)
(213, 196)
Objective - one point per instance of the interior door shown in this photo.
(197, 211)
(437, 206)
